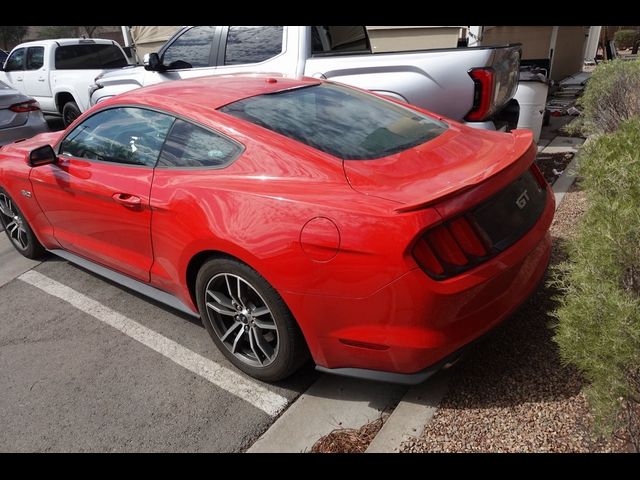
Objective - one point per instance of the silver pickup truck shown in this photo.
(473, 85)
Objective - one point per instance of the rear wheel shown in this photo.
(248, 320)
(70, 112)
(17, 228)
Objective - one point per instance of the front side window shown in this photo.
(338, 120)
(252, 44)
(15, 60)
(192, 49)
(90, 56)
(191, 146)
(35, 58)
(127, 135)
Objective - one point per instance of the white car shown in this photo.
(20, 116)
(58, 73)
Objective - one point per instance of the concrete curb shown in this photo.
(415, 410)
(565, 181)
(331, 403)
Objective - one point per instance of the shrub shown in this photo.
(611, 96)
(598, 317)
(625, 39)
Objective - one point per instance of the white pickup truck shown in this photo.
(58, 73)
(474, 85)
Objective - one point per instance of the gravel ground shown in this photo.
(511, 393)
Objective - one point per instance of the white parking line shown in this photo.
(257, 395)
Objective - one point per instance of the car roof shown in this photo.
(213, 91)
(66, 41)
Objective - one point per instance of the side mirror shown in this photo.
(153, 63)
(44, 155)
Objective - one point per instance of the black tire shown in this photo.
(291, 350)
(70, 112)
(33, 248)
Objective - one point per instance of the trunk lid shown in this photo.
(8, 97)
(457, 160)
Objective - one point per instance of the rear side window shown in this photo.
(189, 146)
(252, 44)
(325, 39)
(339, 120)
(35, 58)
(89, 57)
(15, 60)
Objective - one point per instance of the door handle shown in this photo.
(18, 79)
(127, 200)
(41, 79)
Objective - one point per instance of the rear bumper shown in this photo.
(34, 125)
(409, 326)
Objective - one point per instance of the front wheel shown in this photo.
(17, 228)
(248, 320)
(70, 112)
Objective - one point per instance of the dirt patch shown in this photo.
(553, 164)
(349, 440)
(512, 392)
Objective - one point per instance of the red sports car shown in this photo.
(294, 216)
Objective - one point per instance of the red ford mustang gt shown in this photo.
(294, 216)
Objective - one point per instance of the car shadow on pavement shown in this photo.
(518, 362)
(298, 382)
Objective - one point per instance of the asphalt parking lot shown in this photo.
(70, 381)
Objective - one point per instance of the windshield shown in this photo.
(89, 57)
(339, 120)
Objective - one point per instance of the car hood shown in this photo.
(133, 74)
(460, 158)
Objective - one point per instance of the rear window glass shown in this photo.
(339, 120)
(89, 56)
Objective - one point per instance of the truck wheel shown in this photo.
(70, 112)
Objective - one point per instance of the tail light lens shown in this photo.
(29, 106)
(462, 242)
(483, 79)
(538, 176)
(449, 248)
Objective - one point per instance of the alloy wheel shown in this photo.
(13, 223)
(242, 319)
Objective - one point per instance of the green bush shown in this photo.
(611, 96)
(598, 317)
(625, 39)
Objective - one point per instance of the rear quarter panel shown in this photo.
(255, 210)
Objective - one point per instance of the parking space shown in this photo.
(88, 366)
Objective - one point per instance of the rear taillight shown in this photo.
(537, 174)
(29, 106)
(449, 248)
(462, 242)
(483, 79)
